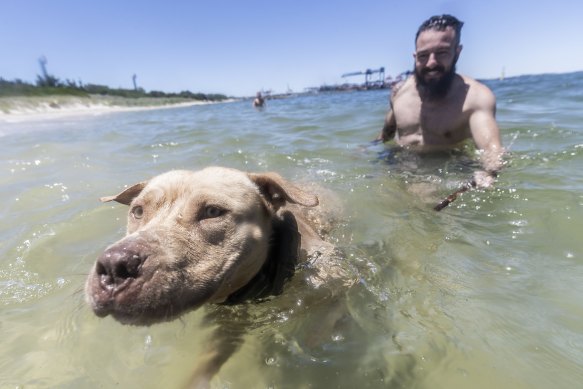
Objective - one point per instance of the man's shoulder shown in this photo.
(478, 92)
(475, 85)
(401, 87)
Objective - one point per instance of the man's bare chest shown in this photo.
(430, 125)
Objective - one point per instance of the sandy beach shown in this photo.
(19, 109)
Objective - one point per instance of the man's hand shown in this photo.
(484, 179)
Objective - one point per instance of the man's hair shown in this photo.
(440, 23)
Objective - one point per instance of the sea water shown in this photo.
(487, 293)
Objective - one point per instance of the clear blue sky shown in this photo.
(237, 47)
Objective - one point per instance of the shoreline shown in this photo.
(23, 109)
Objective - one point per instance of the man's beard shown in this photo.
(435, 88)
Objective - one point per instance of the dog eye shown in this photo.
(137, 212)
(211, 212)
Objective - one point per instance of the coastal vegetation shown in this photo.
(51, 94)
(51, 86)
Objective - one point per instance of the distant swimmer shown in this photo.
(437, 108)
(259, 101)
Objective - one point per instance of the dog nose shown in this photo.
(117, 265)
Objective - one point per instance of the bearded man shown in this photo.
(437, 109)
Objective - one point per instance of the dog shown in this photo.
(218, 236)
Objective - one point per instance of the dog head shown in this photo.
(192, 238)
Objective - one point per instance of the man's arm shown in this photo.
(389, 128)
(486, 136)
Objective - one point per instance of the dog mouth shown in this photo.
(128, 304)
(142, 300)
(138, 314)
(107, 298)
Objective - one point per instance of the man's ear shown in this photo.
(127, 195)
(277, 191)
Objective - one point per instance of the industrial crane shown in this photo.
(368, 74)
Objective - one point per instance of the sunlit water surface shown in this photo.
(487, 293)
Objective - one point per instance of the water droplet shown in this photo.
(337, 338)
(270, 361)
(147, 342)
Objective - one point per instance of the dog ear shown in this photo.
(127, 195)
(277, 191)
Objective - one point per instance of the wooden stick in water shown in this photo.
(451, 198)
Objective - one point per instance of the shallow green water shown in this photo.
(487, 293)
